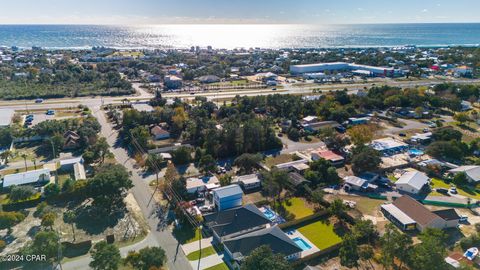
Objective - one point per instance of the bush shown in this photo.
(20, 193)
(472, 241)
(10, 219)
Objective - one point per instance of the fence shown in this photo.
(330, 251)
(300, 221)
(446, 204)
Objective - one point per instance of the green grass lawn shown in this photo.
(464, 191)
(186, 234)
(18, 170)
(283, 158)
(321, 234)
(297, 207)
(221, 266)
(205, 253)
(62, 177)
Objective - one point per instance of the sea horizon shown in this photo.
(230, 36)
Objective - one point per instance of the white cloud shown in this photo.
(424, 10)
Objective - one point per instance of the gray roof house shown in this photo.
(240, 247)
(472, 172)
(37, 177)
(236, 221)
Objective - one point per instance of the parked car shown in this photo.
(463, 219)
(39, 100)
(200, 200)
(402, 135)
(453, 190)
(50, 112)
(442, 191)
(205, 208)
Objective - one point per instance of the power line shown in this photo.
(175, 195)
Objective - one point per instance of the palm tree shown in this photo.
(24, 156)
(34, 163)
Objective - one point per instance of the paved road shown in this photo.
(142, 193)
(287, 89)
(82, 263)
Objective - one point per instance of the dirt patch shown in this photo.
(131, 227)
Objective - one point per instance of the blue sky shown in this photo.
(237, 11)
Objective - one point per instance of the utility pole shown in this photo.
(200, 246)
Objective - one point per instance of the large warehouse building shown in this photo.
(342, 66)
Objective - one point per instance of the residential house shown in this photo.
(236, 221)
(317, 126)
(227, 197)
(358, 120)
(201, 184)
(159, 133)
(412, 181)
(297, 181)
(208, 79)
(31, 178)
(173, 82)
(471, 171)
(296, 165)
(409, 214)
(248, 182)
(389, 146)
(238, 248)
(335, 159)
(75, 165)
(72, 140)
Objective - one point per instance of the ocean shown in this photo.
(240, 36)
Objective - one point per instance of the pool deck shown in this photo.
(305, 252)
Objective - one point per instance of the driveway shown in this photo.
(290, 146)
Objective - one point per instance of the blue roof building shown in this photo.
(228, 197)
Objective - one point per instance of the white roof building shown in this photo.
(6, 116)
(195, 184)
(388, 144)
(27, 178)
(412, 181)
(472, 172)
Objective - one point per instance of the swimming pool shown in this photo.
(415, 152)
(269, 214)
(301, 243)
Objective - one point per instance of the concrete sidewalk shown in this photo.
(82, 263)
(207, 262)
(194, 246)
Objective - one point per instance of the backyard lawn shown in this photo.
(464, 191)
(205, 253)
(283, 158)
(321, 234)
(297, 207)
(221, 266)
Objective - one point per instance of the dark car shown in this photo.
(443, 191)
(402, 135)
